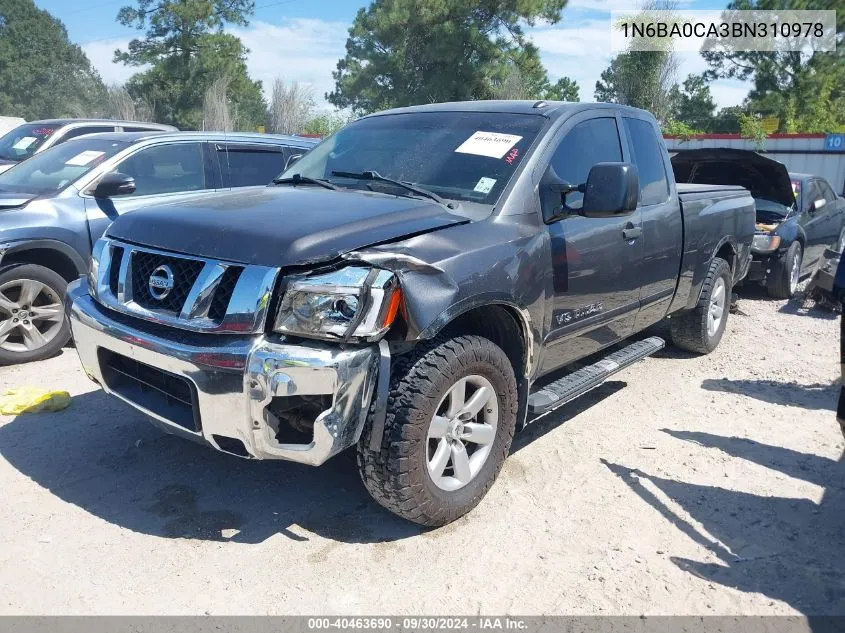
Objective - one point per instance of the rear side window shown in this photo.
(251, 166)
(87, 129)
(164, 169)
(648, 157)
(589, 142)
(130, 128)
(811, 194)
(827, 192)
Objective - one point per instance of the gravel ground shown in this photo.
(684, 485)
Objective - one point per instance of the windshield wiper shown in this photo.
(299, 179)
(374, 175)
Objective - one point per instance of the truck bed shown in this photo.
(692, 190)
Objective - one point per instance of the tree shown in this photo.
(326, 124)
(216, 113)
(565, 89)
(643, 76)
(291, 107)
(43, 75)
(806, 92)
(642, 79)
(405, 52)
(693, 104)
(187, 52)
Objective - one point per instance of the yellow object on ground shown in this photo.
(32, 400)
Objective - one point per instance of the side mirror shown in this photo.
(612, 189)
(553, 190)
(817, 204)
(114, 184)
(292, 159)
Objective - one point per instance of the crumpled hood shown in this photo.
(763, 177)
(10, 200)
(280, 226)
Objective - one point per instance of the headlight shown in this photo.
(94, 266)
(353, 302)
(765, 243)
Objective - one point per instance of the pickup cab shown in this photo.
(417, 286)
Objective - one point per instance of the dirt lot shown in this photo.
(685, 485)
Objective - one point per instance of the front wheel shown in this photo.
(32, 316)
(451, 416)
(786, 273)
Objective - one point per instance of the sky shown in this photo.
(301, 40)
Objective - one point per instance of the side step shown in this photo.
(583, 380)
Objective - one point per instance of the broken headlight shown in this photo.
(350, 303)
(765, 243)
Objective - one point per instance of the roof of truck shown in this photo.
(551, 109)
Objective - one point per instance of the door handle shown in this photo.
(632, 232)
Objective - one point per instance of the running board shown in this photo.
(583, 380)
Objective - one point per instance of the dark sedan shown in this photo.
(798, 215)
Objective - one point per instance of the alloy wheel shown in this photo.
(461, 433)
(716, 312)
(31, 315)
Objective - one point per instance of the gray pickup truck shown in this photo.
(418, 285)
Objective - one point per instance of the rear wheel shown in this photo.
(786, 273)
(701, 329)
(32, 317)
(450, 420)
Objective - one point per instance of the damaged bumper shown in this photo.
(257, 397)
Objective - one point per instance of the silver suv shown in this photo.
(55, 205)
(30, 138)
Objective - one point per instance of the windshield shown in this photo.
(768, 210)
(23, 141)
(458, 155)
(55, 168)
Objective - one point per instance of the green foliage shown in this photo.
(187, 50)
(43, 75)
(405, 52)
(805, 92)
(751, 127)
(327, 123)
(638, 79)
(693, 104)
(679, 129)
(565, 89)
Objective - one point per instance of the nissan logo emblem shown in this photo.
(161, 282)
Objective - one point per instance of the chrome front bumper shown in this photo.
(234, 379)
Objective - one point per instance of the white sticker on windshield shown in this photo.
(492, 144)
(83, 158)
(24, 142)
(485, 185)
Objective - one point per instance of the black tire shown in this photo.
(689, 330)
(56, 289)
(780, 284)
(397, 476)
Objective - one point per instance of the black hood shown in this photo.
(280, 226)
(763, 177)
(10, 200)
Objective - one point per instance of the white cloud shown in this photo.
(303, 50)
(101, 53)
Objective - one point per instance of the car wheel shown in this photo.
(450, 421)
(701, 329)
(32, 316)
(786, 273)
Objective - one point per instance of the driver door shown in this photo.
(596, 261)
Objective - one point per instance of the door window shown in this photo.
(166, 169)
(87, 129)
(589, 142)
(251, 166)
(826, 191)
(648, 157)
(811, 194)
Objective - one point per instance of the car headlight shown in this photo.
(350, 303)
(94, 266)
(765, 243)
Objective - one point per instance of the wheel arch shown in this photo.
(52, 254)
